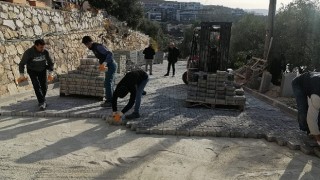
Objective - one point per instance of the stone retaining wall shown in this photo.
(21, 25)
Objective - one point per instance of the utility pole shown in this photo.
(269, 28)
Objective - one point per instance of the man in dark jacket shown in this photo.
(38, 61)
(107, 64)
(306, 89)
(148, 56)
(134, 83)
(173, 54)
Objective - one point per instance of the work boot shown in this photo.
(134, 115)
(106, 104)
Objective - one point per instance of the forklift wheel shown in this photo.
(185, 77)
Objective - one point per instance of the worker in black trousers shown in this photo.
(38, 61)
(173, 54)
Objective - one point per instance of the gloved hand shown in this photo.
(117, 116)
(21, 78)
(103, 67)
(50, 76)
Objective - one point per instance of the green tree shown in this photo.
(297, 34)
(247, 37)
(124, 10)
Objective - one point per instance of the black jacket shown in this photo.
(173, 54)
(130, 81)
(35, 61)
(149, 53)
(310, 82)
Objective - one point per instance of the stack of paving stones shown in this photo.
(140, 58)
(215, 89)
(121, 61)
(130, 55)
(211, 88)
(86, 80)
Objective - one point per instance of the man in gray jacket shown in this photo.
(38, 61)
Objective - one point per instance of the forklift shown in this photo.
(209, 49)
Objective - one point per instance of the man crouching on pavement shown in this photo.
(134, 83)
(38, 61)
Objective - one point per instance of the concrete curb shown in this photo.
(283, 107)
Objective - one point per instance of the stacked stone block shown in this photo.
(86, 80)
(192, 91)
(211, 88)
(202, 89)
(215, 89)
(140, 58)
(121, 61)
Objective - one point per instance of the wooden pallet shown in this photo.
(192, 103)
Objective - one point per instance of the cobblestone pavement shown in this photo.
(164, 112)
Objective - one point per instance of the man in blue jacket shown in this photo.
(106, 62)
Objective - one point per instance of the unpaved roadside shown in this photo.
(51, 148)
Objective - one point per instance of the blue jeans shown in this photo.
(109, 80)
(302, 104)
(139, 92)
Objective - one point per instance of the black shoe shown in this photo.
(134, 115)
(106, 104)
(144, 93)
(150, 74)
(166, 75)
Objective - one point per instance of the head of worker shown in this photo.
(171, 45)
(87, 41)
(122, 91)
(39, 45)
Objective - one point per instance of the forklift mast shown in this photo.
(214, 45)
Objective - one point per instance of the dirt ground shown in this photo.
(48, 148)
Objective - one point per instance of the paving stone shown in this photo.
(182, 132)
(281, 141)
(294, 145)
(306, 149)
(158, 131)
(169, 131)
(317, 151)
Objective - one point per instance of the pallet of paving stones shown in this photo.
(215, 91)
(86, 81)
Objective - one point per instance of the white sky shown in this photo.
(244, 4)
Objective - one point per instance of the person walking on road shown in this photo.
(306, 89)
(38, 61)
(107, 64)
(134, 83)
(173, 54)
(149, 53)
